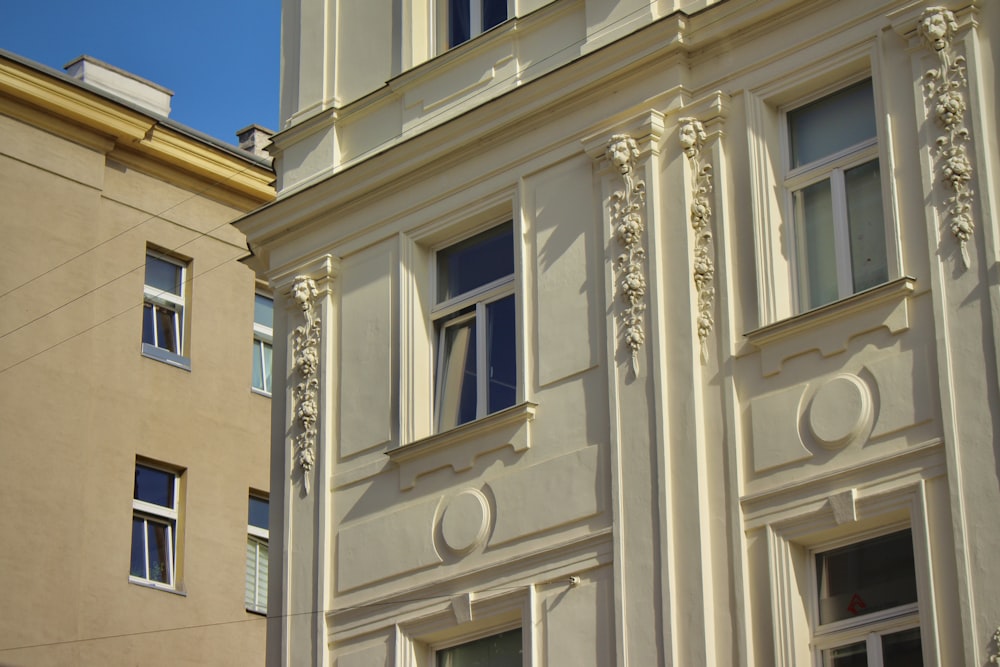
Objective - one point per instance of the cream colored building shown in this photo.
(732, 271)
(132, 441)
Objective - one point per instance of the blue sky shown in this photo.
(220, 57)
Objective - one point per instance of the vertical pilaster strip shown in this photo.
(627, 218)
(937, 27)
(692, 139)
(305, 394)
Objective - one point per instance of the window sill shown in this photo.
(165, 356)
(146, 583)
(829, 328)
(257, 612)
(260, 392)
(459, 447)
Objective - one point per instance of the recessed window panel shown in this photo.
(475, 262)
(163, 275)
(832, 124)
(502, 365)
(866, 577)
(257, 513)
(154, 486)
(499, 650)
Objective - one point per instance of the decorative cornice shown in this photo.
(626, 218)
(305, 394)
(937, 27)
(692, 139)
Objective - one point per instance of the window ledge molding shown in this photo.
(458, 448)
(260, 392)
(881, 306)
(145, 583)
(165, 356)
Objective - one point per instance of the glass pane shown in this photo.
(458, 22)
(854, 655)
(502, 387)
(158, 536)
(500, 650)
(137, 568)
(163, 275)
(494, 13)
(257, 512)
(267, 367)
(902, 649)
(456, 384)
(154, 486)
(867, 230)
(815, 255)
(262, 576)
(475, 262)
(866, 577)
(258, 365)
(831, 124)
(148, 330)
(263, 311)
(166, 328)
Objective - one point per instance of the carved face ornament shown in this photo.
(937, 26)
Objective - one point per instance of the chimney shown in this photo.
(255, 139)
(126, 86)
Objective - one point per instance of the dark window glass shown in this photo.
(500, 650)
(137, 568)
(163, 275)
(154, 486)
(902, 649)
(458, 22)
(456, 389)
(866, 577)
(475, 262)
(494, 13)
(502, 386)
(833, 123)
(852, 655)
(263, 311)
(863, 185)
(257, 512)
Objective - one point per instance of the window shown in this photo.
(503, 649)
(263, 335)
(256, 571)
(474, 321)
(163, 309)
(835, 192)
(469, 18)
(154, 526)
(866, 604)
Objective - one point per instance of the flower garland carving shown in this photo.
(937, 26)
(692, 139)
(626, 218)
(305, 394)
(995, 653)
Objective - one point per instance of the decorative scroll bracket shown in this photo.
(692, 139)
(627, 220)
(937, 27)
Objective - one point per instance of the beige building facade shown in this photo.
(134, 445)
(635, 333)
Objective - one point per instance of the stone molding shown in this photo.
(943, 88)
(692, 138)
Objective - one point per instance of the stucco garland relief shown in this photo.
(305, 394)
(937, 27)
(995, 653)
(626, 217)
(692, 139)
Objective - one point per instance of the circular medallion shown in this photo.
(465, 521)
(839, 411)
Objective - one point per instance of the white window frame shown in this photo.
(795, 533)
(479, 298)
(173, 302)
(869, 628)
(258, 536)
(161, 514)
(264, 335)
(441, 22)
(770, 174)
(830, 167)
